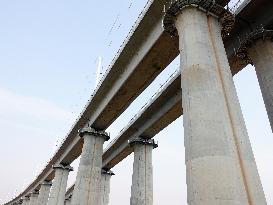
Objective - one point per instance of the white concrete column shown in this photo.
(105, 186)
(20, 202)
(44, 193)
(258, 48)
(23, 201)
(221, 168)
(26, 200)
(87, 190)
(142, 179)
(68, 200)
(57, 192)
(33, 198)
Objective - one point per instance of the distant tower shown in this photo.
(99, 70)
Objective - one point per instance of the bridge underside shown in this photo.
(148, 51)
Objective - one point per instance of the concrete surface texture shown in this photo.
(44, 193)
(105, 186)
(218, 151)
(26, 201)
(142, 179)
(261, 53)
(87, 188)
(148, 47)
(33, 198)
(67, 201)
(57, 192)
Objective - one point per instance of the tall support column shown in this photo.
(57, 192)
(87, 188)
(142, 179)
(105, 186)
(33, 198)
(26, 200)
(20, 202)
(44, 193)
(257, 49)
(221, 168)
(68, 200)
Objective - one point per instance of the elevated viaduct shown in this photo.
(148, 50)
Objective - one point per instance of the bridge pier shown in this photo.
(105, 186)
(142, 179)
(257, 49)
(33, 198)
(25, 201)
(87, 188)
(20, 202)
(68, 200)
(220, 164)
(44, 193)
(57, 192)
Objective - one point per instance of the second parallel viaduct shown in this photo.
(144, 55)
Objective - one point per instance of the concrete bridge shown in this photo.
(214, 44)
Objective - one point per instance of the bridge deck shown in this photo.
(143, 57)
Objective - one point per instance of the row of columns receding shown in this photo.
(92, 182)
(220, 164)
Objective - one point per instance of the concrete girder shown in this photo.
(169, 101)
(153, 53)
(155, 119)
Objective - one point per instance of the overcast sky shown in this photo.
(48, 53)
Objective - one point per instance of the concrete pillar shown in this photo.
(44, 193)
(221, 168)
(33, 198)
(68, 200)
(257, 49)
(142, 179)
(57, 192)
(87, 188)
(26, 200)
(105, 186)
(20, 202)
